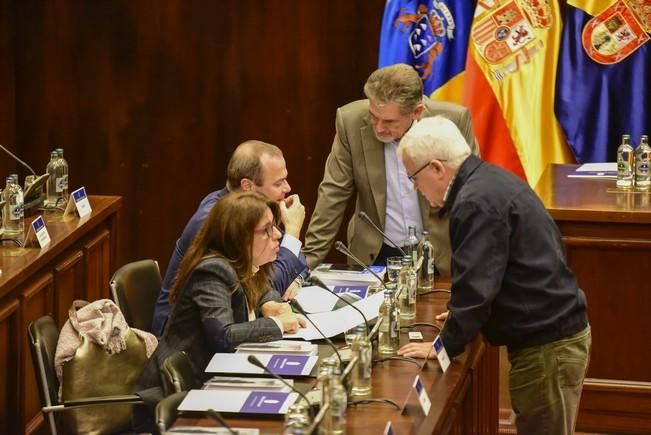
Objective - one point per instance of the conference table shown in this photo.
(464, 399)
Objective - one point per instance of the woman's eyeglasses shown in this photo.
(269, 230)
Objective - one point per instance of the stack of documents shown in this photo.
(595, 170)
(342, 274)
(244, 401)
(279, 364)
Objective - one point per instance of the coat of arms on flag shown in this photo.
(618, 31)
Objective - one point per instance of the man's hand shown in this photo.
(292, 291)
(291, 322)
(417, 350)
(292, 213)
(443, 316)
(273, 308)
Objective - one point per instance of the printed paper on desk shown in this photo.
(254, 402)
(333, 323)
(237, 363)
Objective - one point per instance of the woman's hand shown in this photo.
(417, 350)
(291, 322)
(292, 290)
(273, 308)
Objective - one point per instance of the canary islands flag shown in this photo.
(431, 35)
(603, 88)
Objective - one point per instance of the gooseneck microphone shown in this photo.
(363, 216)
(316, 280)
(15, 157)
(256, 362)
(218, 417)
(339, 246)
(300, 309)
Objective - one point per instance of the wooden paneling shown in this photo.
(150, 97)
(10, 391)
(68, 285)
(36, 301)
(97, 255)
(7, 95)
(608, 244)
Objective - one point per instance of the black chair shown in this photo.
(43, 336)
(135, 288)
(178, 374)
(167, 410)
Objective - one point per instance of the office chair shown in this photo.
(178, 374)
(43, 336)
(167, 410)
(135, 287)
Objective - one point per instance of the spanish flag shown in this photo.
(510, 85)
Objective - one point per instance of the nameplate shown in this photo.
(359, 290)
(78, 201)
(441, 353)
(42, 236)
(421, 393)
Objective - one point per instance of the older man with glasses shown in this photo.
(363, 163)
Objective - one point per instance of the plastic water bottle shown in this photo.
(361, 347)
(13, 217)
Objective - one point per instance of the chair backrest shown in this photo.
(167, 410)
(43, 336)
(178, 374)
(135, 288)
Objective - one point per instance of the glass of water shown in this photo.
(394, 264)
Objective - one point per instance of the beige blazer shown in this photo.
(355, 166)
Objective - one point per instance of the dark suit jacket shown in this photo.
(210, 316)
(286, 267)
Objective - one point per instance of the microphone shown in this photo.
(256, 362)
(15, 157)
(339, 246)
(218, 417)
(300, 309)
(363, 216)
(316, 280)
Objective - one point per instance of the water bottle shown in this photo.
(426, 271)
(334, 394)
(407, 287)
(361, 376)
(411, 244)
(642, 173)
(297, 419)
(51, 188)
(13, 217)
(388, 337)
(625, 165)
(62, 177)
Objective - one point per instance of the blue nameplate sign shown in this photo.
(264, 402)
(359, 290)
(287, 364)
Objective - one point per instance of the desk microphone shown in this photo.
(218, 417)
(316, 280)
(339, 246)
(363, 216)
(15, 157)
(300, 309)
(256, 362)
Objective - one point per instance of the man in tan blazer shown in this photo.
(363, 152)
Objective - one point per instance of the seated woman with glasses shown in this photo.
(222, 294)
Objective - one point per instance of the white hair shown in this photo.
(434, 138)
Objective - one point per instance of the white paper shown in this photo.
(595, 170)
(238, 363)
(314, 299)
(278, 347)
(218, 400)
(336, 322)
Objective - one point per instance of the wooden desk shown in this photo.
(76, 265)
(464, 399)
(607, 235)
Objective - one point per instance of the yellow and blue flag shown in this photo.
(603, 88)
(431, 35)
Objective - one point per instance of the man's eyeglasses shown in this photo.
(269, 230)
(419, 170)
